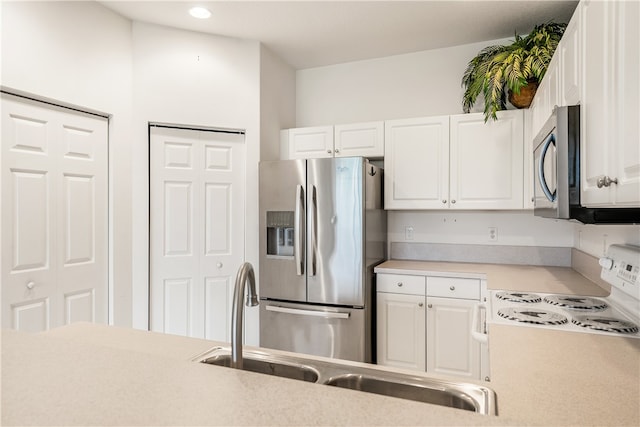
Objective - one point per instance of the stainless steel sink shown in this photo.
(421, 391)
(270, 367)
(453, 394)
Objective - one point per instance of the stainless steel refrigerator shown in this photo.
(322, 231)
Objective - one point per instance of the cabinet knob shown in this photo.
(328, 151)
(400, 284)
(533, 199)
(429, 305)
(453, 201)
(219, 265)
(605, 181)
(337, 150)
(420, 304)
(31, 285)
(452, 288)
(444, 200)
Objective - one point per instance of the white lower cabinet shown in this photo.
(425, 323)
(401, 330)
(451, 350)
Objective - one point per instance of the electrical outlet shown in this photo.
(408, 233)
(493, 233)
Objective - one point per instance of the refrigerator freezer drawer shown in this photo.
(318, 330)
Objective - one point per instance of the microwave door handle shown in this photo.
(543, 181)
(298, 239)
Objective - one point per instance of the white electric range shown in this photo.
(617, 314)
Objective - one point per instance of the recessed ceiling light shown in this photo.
(199, 12)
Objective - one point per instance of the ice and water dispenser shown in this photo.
(280, 233)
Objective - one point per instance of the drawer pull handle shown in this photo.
(429, 305)
(452, 288)
(420, 304)
(399, 284)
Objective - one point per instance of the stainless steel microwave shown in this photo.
(556, 168)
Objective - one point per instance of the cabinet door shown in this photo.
(359, 139)
(569, 53)
(416, 163)
(310, 142)
(486, 161)
(626, 167)
(451, 350)
(527, 167)
(401, 330)
(596, 140)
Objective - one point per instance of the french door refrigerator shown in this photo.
(322, 231)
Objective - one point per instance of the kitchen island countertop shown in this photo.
(86, 374)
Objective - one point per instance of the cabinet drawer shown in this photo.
(449, 287)
(401, 284)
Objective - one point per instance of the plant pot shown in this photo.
(524, 98)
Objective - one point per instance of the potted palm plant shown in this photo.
(516, 69)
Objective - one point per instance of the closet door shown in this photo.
(54, 216)
(196, 229)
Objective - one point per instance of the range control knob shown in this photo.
(606, 263)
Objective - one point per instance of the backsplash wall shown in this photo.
(594, 239)
(512, 228)
(472, 227)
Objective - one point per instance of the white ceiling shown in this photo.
(309, 34)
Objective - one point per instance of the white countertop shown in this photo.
(86, 374)
(504, 277)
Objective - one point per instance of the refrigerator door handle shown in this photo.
(298, 240)
(316, 313)
(314, 231)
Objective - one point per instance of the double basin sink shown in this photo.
(466, 396)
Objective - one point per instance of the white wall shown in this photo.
(200, 79)
(277, 102)
(80, 53)
(417, 84)
(594, 239)
(513, 228)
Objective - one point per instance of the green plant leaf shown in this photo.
(499, 67)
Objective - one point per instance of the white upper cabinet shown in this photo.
(456, 162)
(561, 84)
(486, 161)
(547, 96)
(626, 162)
(357, 139)
(416, 163)
(309, 142)
(569, 59)
(610, 124)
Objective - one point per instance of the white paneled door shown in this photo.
(196, 229)
(54, 216)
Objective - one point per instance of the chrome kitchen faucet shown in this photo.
(245, 272)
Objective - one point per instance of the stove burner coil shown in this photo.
(532, 315)
(576, 302)
(519, 297)
(607, 324)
